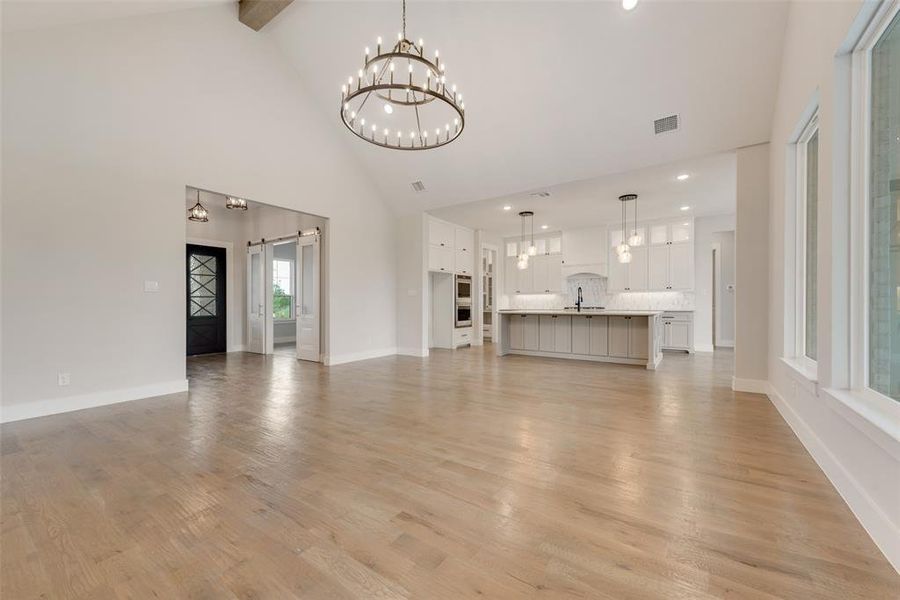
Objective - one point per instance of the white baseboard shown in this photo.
(703, 348)
(42, 408)
(341, 359)
(754, 386)
(725, 343)
(284, 340)
(419, 352)
(879, 527)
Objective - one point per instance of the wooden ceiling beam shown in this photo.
(255, 14)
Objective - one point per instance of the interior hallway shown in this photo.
(456, 476)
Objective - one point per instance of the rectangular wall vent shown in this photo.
(418, 186)
(666, 124)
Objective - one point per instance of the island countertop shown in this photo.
(573, 312)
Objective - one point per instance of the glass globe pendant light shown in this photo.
(522, 263)
(635, 239)
(623, 250)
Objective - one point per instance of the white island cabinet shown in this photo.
(625, 337)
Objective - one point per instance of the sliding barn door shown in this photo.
(307, 295)
(256, 299)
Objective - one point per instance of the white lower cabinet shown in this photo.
(586, 335)
(462, 336)
(555, 333)
(524, 332)
(589, 335)
(678, 331)
(532, 332)
(517, 332)
(628, 337)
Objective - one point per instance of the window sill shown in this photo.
(810, 377)
(876, 410)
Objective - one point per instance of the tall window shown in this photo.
(807, 240)
(282, 289)
(884, 214)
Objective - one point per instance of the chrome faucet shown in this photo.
(579, 301)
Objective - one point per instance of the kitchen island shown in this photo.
(631, 337)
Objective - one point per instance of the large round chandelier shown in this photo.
(400, 98)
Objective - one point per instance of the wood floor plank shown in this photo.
(461, 475)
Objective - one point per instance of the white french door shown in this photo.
(256, 299)
(307, 297)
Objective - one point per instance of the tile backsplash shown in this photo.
(593, 292)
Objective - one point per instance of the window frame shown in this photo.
(293, 283)
(860, 165)
(809, 130)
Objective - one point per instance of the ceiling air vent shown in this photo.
(666, 124)
(418, 186)
(540, 195)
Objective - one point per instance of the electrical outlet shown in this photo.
(63, 378)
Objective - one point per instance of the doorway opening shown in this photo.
(723, 272)
(269, 265)
(488, 291)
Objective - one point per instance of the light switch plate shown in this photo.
(151, 286)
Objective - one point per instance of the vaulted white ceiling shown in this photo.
(555, 91)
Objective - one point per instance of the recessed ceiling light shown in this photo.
(507, 207)
(545, 227)
(629, 4)
(682, 177)
(685, 208)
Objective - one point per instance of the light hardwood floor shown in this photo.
(457, 476)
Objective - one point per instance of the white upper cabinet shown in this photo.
(633, 276)
(464, 239)
(544, 272)
(663, 262)
(440, 233)
(681, 231)
(451, 248)
(547, 274)
(659, 234)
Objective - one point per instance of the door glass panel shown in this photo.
(255, 288)
(884, 215)
(512, 249)
(306, 282)
(681, 231)
(541, 245)
(203, 285)
(554, 245)
(615, 237)
(659, 234)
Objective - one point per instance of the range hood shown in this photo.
(584, 270)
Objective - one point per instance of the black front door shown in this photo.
(205, 268)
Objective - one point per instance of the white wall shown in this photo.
(751, 268)
(860, 458)
(104, 125)
(412, 285)
(705, 229)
